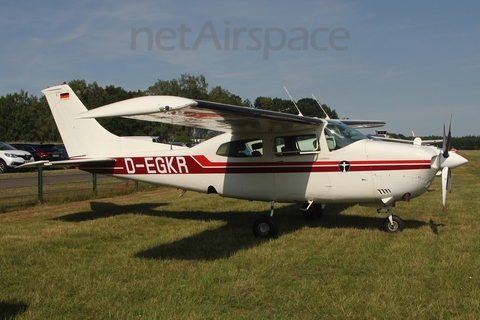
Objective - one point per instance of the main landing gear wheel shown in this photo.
(396, 225)
(315, 211)
(265, 227)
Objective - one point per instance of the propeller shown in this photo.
(447, 161)
(446, 185)
(447, 141)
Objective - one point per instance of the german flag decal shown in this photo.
(64, 96)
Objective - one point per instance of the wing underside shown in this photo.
(203, 114)
(212, 116)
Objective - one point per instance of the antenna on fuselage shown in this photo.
(299, 112)
(320, 105)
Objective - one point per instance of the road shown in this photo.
(17, 182)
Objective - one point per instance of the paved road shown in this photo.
(17, 182)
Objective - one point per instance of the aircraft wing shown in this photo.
(416, 141)
(203, 114)
(362, 124)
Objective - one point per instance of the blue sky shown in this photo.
(409, 63)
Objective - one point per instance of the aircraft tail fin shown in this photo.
(80, 136)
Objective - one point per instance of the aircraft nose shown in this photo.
(454, 160)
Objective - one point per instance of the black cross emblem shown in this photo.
(344, 166)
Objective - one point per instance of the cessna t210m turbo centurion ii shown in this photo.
(262, 155)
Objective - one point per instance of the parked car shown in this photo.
(11, 157)
(40, 151)
(63, 150)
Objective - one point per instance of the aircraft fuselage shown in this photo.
(365, 171)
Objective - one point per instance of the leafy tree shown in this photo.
(265, 103)
(27, 118)
(308, 107)
(218, 94)
(186, 86)
(24, 117)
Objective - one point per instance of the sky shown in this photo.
(412, 64)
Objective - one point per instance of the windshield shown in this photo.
(4, 146)
(340, 135)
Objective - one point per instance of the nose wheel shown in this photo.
(393, 223)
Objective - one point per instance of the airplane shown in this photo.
(415, 141)
(382, 135)
(262, 155)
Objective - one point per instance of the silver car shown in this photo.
(11, 157)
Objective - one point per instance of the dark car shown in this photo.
(63, 150)
(40, 151)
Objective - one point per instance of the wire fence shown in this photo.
(12, 199)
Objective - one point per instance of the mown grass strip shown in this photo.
(154, 255)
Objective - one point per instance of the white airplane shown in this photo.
(263, 155)
(382, 135)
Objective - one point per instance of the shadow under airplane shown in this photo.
(234, 235)
(10, 310)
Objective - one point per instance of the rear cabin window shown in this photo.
(292, 145)
(241, 148)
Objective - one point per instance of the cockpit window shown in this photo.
(340, 135)
(241, 148)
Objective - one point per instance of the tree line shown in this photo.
(27, 118)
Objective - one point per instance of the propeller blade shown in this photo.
(444, 146)
(448, 142)
(446, 184)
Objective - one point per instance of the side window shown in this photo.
(241, 148)
(291, 145)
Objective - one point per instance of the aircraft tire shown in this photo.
(265, 227)
(313, 213)
(398, 225)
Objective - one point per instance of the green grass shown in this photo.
(152, 255)
(13, 199)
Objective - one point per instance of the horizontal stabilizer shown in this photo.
(65, 163)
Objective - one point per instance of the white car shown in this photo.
(11, 157)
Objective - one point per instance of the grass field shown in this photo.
(153, 255)
(13, 199)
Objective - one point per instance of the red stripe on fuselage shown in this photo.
(200, 164)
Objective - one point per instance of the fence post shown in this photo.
(40, 184)
(94, 179)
